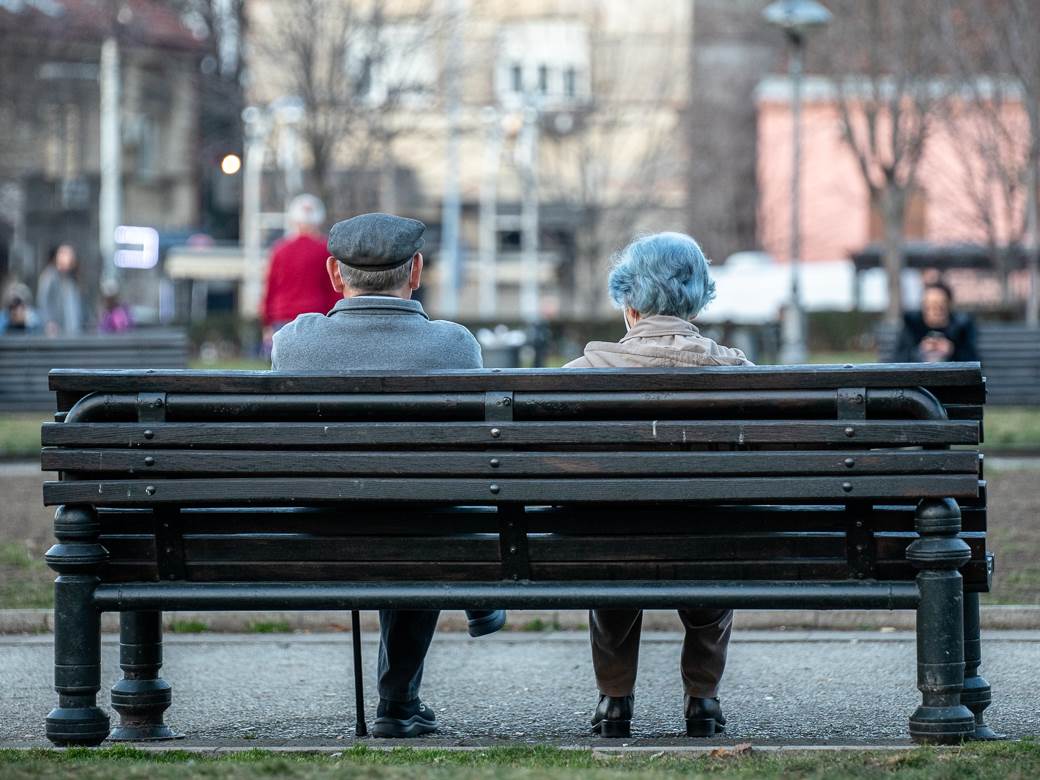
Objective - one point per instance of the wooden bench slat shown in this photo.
(360, 520)
(279, 571)
(285, 547)
(275, 491)
(652, 433)
(714, 545)
(394, 463)
(974, 573)
(514, 380)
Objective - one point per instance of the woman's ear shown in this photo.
(332, 266)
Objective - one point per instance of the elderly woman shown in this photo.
(660, 283)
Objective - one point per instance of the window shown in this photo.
(547, 56)
(62, 144)
(149, 148)
(570, 82)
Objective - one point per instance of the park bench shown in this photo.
(1010, 356)
(25, 360)
(822, 487)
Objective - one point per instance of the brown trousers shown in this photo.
(615, 649)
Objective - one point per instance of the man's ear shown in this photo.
(332, 266)
(415, 277)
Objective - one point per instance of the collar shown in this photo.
(378, 304)
(660, 325)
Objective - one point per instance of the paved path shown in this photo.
(787, 688)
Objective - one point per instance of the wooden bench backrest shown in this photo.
(757, 473)
(26, 360)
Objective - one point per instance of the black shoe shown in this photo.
(613, 716)
(485, 621)
(399, 721)
(704, 717)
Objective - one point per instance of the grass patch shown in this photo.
(540, 625)
(270, 627)
(231, 364)
(187, 627)
(1013, 531)
(20, 434)
(25, 580)
(841, 358)
(1012, 427)
(1002, 761)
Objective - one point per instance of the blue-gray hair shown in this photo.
(664, 273)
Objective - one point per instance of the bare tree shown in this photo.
(611, 168)
(348, 61)
(1014, 27)
(984, 121)
(732, 50)
(25, 46)
(992, 52)
(883, 57)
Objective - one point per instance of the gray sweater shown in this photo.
(374, 333)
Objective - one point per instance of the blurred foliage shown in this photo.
(25, 580)
(20, 434)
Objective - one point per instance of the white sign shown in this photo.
(146, 243)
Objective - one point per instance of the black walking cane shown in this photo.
(360, 729)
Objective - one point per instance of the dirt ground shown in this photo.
(1014, 527)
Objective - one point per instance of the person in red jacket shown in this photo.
(297, 282)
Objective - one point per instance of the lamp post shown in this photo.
(529, 283)
(797, 18)
(257, 127)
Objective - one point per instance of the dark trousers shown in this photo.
(404, 638)
(615, 649)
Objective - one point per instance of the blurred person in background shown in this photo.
(18, 317)
(660, 283)
(297, 281)
(114, 316)
(58, 295)
(936, 333)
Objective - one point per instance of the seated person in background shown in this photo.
(18, 316)
(375, 266)
(936, 334)
(660, 283)
(115, 316)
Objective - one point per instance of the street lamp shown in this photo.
(797, 18)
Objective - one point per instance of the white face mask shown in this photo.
(624, 316)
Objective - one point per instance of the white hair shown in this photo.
(376, 281)
(307, 210)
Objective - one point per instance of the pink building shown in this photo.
(952, 203)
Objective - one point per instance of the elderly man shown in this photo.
(375, 267)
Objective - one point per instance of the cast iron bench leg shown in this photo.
(977, 695)
(142, 696)
(76, 558)
(360, 728)
(938, 554)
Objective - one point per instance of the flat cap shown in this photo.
(376, 242)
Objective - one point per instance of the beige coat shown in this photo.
(659, 341)
(653, 342)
